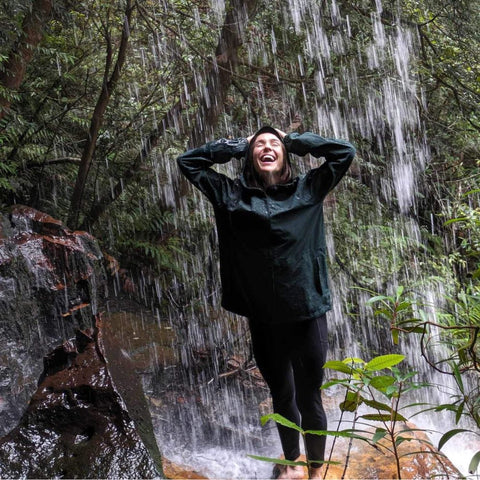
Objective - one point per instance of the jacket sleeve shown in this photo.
(338, 155)
(196, 166)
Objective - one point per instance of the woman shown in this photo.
(273, 265)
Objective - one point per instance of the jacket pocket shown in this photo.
(321, 281)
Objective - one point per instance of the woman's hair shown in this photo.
(252, 177)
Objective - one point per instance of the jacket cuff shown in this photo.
(288, 139)
(226, 147)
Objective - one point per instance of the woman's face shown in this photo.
(268, 156)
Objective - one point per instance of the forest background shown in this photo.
(99, 97)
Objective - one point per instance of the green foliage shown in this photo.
(466, 227)
(458, 341)
(377, 385)
(367, 384)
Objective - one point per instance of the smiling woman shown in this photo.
(268, 158)
(272, 265)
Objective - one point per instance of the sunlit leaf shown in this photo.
(353, 360)
(280, 420)
(382, 382)
(338, 366)
(384, 361)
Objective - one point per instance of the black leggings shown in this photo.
(290, 358)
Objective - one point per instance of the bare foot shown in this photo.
(291, 472)
(315, 472)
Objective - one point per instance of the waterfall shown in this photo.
(220, 415)
(216, 422)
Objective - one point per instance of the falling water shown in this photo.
(210, 414)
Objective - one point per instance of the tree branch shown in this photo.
(97, 116)
(218, 82)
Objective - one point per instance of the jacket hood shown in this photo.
(251, 177)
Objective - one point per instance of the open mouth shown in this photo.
(267, 159)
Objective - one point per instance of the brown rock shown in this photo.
(174, 471)
(77, 424)
(419, 460)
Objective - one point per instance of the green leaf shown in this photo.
(455, 220)
(395, 335)
(458, 378)
(470, 192)
(472, 468)
(399, 440)
(383, 311)
(399, 291)
(351, 403)
(378, 405)
(420, 330)
(353, 360)
(403, 306)
(281, 420)
(381, 382)
(338, 366)
(384, 361)
(332, 383)
(379, 434)
(337, 433)
(378, 298)
(447, 436)
(459, 413)
(383, 417)
(279, 461)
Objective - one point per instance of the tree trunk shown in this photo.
(97, 117)
(220, 75)
(13, 72)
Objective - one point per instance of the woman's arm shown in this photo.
(338, 155)
(196, 165)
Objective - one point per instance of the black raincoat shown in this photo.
(272, 242)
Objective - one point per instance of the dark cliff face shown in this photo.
(50, 278)
(77, 424)
(76, 410)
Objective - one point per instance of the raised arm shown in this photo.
(196, 165)
(337, 153)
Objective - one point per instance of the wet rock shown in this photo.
(50, 280)
(419, 460)
(77, 424)
(174, 471)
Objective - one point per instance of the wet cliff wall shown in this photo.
(50, 280)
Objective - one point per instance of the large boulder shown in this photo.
(77, 424)
(50, 282)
